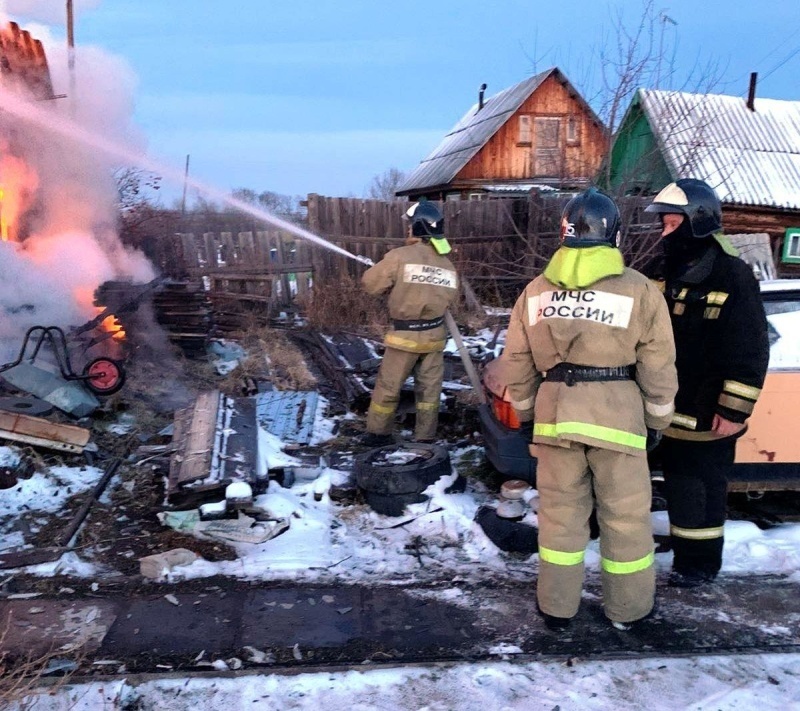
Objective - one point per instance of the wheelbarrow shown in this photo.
(102, 376)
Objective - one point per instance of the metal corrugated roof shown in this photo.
(749, 157)
(471, 134)
(289, 415)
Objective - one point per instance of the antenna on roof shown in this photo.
(480, 96)
(751, 94)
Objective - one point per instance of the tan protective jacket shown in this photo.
(423, 285)
(618, 320)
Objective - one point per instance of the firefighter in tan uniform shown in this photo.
(423, 284)
(590, 360)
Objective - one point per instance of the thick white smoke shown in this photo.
(71, 245)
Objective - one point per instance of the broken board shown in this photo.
(195, 431)
(42, 433)
(215, 442)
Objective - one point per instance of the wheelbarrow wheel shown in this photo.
(104, 376)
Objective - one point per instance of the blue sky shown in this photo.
(320, 96)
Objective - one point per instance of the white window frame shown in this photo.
(791, 246)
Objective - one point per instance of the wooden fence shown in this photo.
(264, 267)
(498, 245)
(495, 242)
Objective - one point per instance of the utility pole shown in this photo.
(185, 181)
(71, 54)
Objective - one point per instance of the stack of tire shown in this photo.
(389, 487)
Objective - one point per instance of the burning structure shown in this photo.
(58, 198)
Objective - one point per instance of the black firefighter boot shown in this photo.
(553, 623)
(371, 439)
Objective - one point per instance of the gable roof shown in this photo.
(750, 157)
(475, 129)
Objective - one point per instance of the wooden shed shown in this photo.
(539, 134)
(748, 150)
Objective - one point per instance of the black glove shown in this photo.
(526, 430)
(653, 438)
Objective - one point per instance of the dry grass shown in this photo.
(21, 678)
(342, 304)
(271, 355)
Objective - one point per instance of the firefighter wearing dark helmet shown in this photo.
(590, 363)
(423, 284)
(722, 355)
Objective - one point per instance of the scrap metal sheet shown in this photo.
(289, 415)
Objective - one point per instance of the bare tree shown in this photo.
(287, 206)
(385, 185)
(140, 212)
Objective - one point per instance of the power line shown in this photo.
(794, 52)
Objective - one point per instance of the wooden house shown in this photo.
(747, 149)
(539, 134)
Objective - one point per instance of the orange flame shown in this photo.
(19, 182)
(114, 327)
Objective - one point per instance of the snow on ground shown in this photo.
(437, 539)
(327, 542)
(767, 682)
(44, 492)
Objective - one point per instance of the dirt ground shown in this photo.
(122, 525)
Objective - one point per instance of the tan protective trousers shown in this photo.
(428, 371)
(566, 478)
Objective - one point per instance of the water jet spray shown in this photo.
(63, 126)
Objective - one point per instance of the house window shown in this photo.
(524, 138)
(791, 246)
(452, 197)
(573, 130)
(477, 196)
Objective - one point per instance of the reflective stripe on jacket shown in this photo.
(423, 284)
(620, 319)
(721, 334)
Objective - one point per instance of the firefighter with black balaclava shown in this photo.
(423, 285)
(722, 356)
(590, 362)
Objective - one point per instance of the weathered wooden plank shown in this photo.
(230, 276)
(212, 250)
(194, 452)
(228, 249)
(336, 216)
(270, 269)
(247, 246)
(313, 208)
(189, 249)
(42, 433)
(236, 296)
(286, 293)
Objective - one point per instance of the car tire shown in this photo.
(391, 504)
(376, 476)
(507, 535)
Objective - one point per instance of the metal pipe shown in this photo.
(751, 94)
(71, 53)
(185, 181)
(66, 538)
